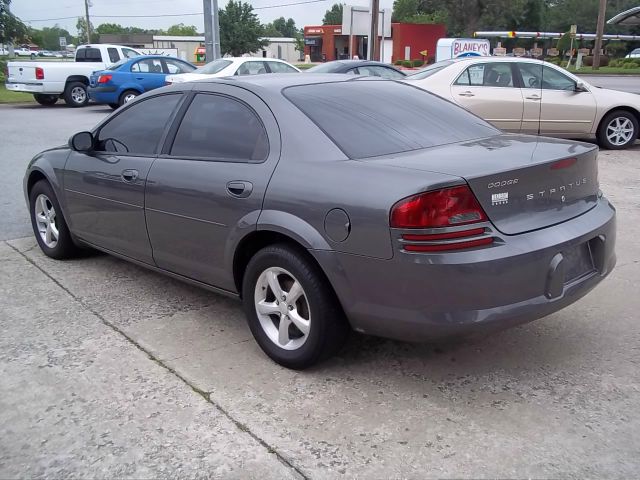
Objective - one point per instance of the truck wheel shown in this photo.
(46, 100)
(75, 95)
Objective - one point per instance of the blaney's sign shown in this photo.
(463, 47)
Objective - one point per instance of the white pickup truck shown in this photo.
(49, 81)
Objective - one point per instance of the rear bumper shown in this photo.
(107, 94)
(25, 87)
(419, 297)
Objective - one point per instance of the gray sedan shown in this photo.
(329, 203)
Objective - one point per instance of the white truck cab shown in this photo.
(49, 81)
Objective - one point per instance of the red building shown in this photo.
(326, 42)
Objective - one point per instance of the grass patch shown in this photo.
(14, 97)
(305, 66)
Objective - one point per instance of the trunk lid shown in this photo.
(22, 72)
(523, 183)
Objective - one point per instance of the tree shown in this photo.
(287, 28)
(269, 30)
(182, 30)
(81, 26)
(49, 37)
(11, 27)
(240, 29)
(334, 15)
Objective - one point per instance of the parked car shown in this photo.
(129, 78)
(359, 67)
(49, 81)
(534, 97)
(226, 67)
(46, 53)
(408, 218)
(633, 54)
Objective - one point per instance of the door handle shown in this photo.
(130, 175)
(139, 78)
(467, 94)
(239, 188)
(534, 97)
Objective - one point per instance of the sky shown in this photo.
(30, 10)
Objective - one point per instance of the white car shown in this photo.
(534, 97)
(633, 54)
(227, 67)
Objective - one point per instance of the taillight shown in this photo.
(105, 78)
(448, 207)
(439, 211)
(39, 73)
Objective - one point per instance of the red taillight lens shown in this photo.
(39, 73)
(441, 208)
(105, 78)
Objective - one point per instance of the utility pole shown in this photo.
(211, 29)
(86, 12)
(373, 35)
(599, 32)
(12, 52)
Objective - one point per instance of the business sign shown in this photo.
(499, 51)
(466, 47)
(356, 20)
(536, 52)
(553, 52)
(167, 52)
(584, 51)
(519, 52)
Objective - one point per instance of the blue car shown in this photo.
(125, 80)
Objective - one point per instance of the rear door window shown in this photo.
(176, 66)
(279, 67)
(367, 118)
(221, 128)
(89, 55)
(251, 68)
(148, 65)
(486, 75)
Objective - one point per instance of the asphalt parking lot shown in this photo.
(109, 370)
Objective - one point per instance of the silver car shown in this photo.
(534, 97)
(329, 203)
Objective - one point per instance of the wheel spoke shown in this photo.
(47, 235)
(272, 279)
(43, 204)
(301, 323)
(294, 293)
(54, 231)
(41, 218)
(267, 308)
(283, 331)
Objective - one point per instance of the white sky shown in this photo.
(310, 14)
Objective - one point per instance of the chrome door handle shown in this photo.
(239, 189)
(130, 175)
(534, 97)
(467, 94)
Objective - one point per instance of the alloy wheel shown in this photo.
(78, 94)
(282, 308)
(620, 131)
(46, 220)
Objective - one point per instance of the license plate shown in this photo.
(578, 262)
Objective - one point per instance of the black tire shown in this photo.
(610, 119)
(125, 94)
(46, 100)
(75, 94)
(328, 326)
(65, 248)
(114, 105)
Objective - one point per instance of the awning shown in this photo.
(630, 17)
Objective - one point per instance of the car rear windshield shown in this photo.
(369, 118)
(117, 65)
(430, 70)
(328, 67)
(213, 67)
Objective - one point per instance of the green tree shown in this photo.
(182, 30)
(111, 29)
(269, 30)
(287, 28)
(50, 37)
(81, 26)
(11, 27)
(240, 29)
(334, 15)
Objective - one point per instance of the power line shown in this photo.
(173, 14)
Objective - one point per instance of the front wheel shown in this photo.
(75, 94)
(292, 311)
(618, 130)
(49, 225)
(46, 100)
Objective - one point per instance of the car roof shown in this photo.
(278, 81)
(493, 59)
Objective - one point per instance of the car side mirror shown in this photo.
(580, 87)
(82, 142)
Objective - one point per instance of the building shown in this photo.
(326, 42)
(185, 47)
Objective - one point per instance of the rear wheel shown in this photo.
(49, 225)
(127, 96)
(618, 130)
(291, 309)
(46, 100)
(75, 94)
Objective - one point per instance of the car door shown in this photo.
(489, 90)
(552, 104)
(208, 184)
(148, 73)
(104, 189)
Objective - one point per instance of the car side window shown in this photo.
(385, 72)
(148, 65)
(279, 67)
(138, 129)
(219, 127)
(114, 56)
(128, 53)
(175, 66)
(538, 76)
(486, 75)
(251, 68)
